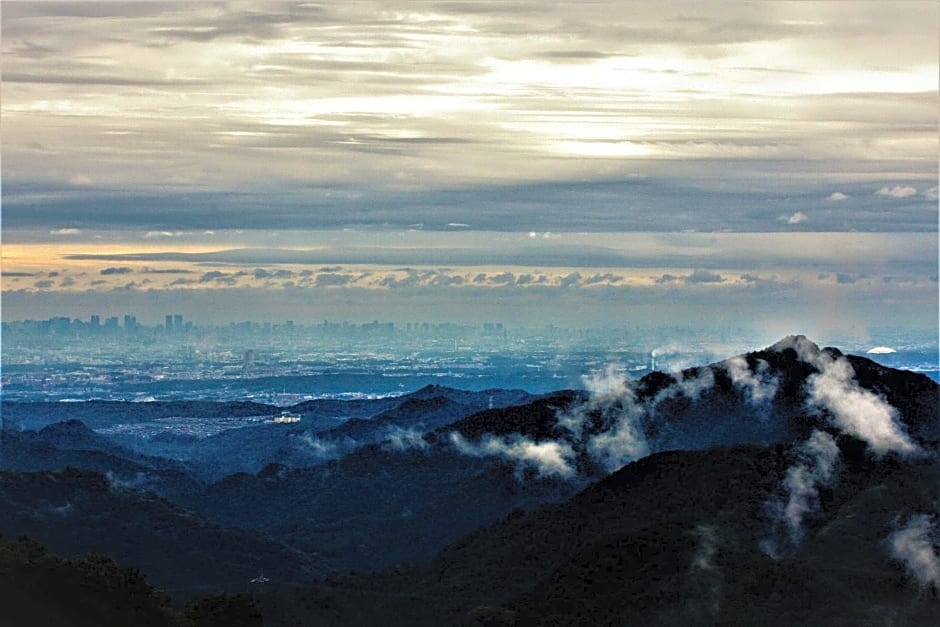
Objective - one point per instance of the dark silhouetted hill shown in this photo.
(39, 589)
(672, 539)
(77, 512)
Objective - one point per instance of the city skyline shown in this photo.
(596, 164)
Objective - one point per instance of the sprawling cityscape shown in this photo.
(64, 358)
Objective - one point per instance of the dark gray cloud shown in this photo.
(570, 280)
(703, 276)
(629, 205)
(823, 254)
(148, 270)
(280, 273)
(117, 270)
(502, 278)
(222, 278)
(329, 278)
(847, 278)
(606, 277)
(697, 277)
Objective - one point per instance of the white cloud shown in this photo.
(691, 387)
(548, 458)
(898, 191)
(915, 546)
(758, 387)
(818, 457)
(931, 193)
(856, 411)
(623, 443)
(837, 197)
(65, 232)
(795, 218)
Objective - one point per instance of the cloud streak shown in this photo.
(915, 546)
(546, 458)
(816, 467)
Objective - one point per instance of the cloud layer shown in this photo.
(507, 116)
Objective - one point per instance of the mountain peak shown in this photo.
(799, 343)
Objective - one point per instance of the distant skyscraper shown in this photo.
(178, 323)
(169, 322)
(130, 323)
(95, 321)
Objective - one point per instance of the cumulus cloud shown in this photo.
(613, 401)
(834, 392)
(915, 546)
(759, 387)
(837, 197)
(897, 191)
(795, 218)
(816, 467)
(855, 410)
(931, 193)
(547, 458)
(66, 231)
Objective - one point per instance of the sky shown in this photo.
(585, 164)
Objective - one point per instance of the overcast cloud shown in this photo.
(558, 160)
(500, 115)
